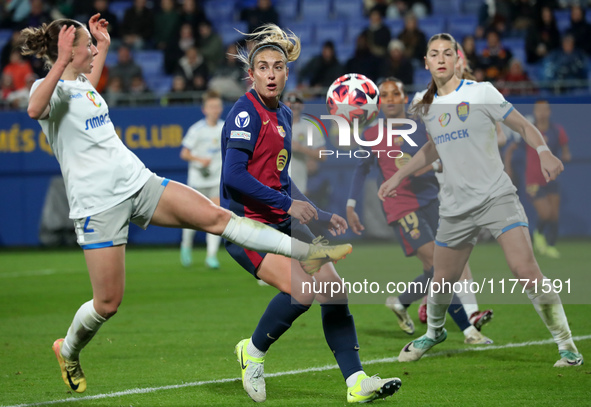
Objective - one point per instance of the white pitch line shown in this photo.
(289, 372)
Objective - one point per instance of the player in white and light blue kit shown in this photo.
(108, 186)
(461, 117)
(202, 149)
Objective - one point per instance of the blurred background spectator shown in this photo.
(125, 68)
(138, 25)
(378, 34)
(324, 68)
(263, 13)
(542, 37)
(193, 68)
(414, 40)
(397, 64)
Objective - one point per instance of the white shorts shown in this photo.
(498, 215)
(111, 227)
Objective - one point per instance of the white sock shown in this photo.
(254, 351)
(468, 299)
(188, 236)
(85, 325)
(256, 236)
(469, 331)
(213, 244)
(437, 305)
(351, 380)
(550, 309)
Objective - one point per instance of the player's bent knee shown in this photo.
(107, 309)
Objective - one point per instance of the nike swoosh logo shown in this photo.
(270, 337)
(72, 385)
(457, 310)
(406, 347)
(356, 347)
(572, 363)
(267, 121)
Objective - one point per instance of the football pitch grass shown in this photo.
(172, 342)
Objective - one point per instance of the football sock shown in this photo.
(213, 244)
(541, 226)
(188, 236)
(437, 304)
(278, 317)
(415, 292)
(468, 299)
(256, 236)
(341, 337)
(85, 325)
(550, 309)
(458, 313)
(254, 351)
(551, 233)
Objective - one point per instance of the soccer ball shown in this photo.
(354, 96)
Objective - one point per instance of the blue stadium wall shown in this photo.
(155, 134)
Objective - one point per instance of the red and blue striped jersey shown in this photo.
(256, 150)
(414, 192)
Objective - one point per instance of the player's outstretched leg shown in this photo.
(252, 372)
(367, 388)
(71, 371)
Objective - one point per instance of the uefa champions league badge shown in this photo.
(463, 110)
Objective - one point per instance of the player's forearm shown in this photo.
(39, 101)
(424, 157)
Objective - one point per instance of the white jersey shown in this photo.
(462, 125)
(99, 171)
(298, 167)
(204, 141)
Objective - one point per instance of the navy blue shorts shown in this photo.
(535, 191)
(417, 228)
(251, 260)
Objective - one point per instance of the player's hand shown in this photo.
(338, 225)
(65, 44)
(353, 220)
(98, 29)
(205, 162)
(388, 188)
(303, 211)
(551, 166)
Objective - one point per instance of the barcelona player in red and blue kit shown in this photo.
(413, 212)
(256, 150)
(545, 195)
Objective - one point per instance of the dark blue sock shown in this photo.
(277, 319)
(541, 226)
(458, 314)
(340, 334)
(551, 233)
(416, 292)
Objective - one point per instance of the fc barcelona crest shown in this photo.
(463, 110)
(281, 131)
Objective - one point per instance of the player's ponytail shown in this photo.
(272, 37)
(42, 41)
(421, 108)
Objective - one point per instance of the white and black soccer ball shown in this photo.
(354, 96)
